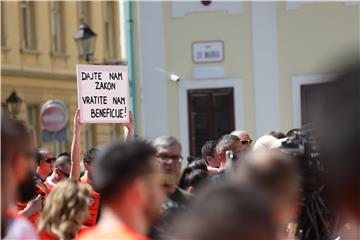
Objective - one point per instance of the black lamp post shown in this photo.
(85, 41)
(13, 103)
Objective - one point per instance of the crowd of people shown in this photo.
(145, 189)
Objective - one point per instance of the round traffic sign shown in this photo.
(53, 115)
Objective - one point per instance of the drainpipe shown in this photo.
(127, 6)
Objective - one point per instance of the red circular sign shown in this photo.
(53, 115)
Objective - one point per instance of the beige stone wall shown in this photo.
(41, 75)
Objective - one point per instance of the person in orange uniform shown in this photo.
(32, 209)
(18, 168)
(94, 203)
(128, 177)
(95, 198)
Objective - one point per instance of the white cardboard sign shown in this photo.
(103, 93)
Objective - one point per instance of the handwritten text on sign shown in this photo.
(103, 93)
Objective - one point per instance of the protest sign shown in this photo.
(103, 93)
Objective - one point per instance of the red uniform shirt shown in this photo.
(94, 204)
(42, 189)
(47, 236)
(122, 232)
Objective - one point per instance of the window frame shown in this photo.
(28, 22)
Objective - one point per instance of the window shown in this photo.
(33, 112)
(28, 24)
(211, 115)
(109, 20)
(3, 38)
(84, 12)
(312, 101)
(57, 28)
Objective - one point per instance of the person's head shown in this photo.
(225, 211)
(45, 161)
(18, 161)
(277, 134)
(61, 169)
(127, 176)
(277, 174)
(208, 153)
(17, 165)
(67, 154)
(244, 137)
(292, 132)
(168, 154)
(340, 134)
(228, 142)
(89, 157)
(194, 180)
(65, 209)
(264, 142)
(197, 165)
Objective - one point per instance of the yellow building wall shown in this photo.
(313, 39)
(233, 30)
(40, 75)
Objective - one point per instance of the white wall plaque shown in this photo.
(206, 52)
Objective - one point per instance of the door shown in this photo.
(211, 115)
(312, 101)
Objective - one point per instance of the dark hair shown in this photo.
(90, 155)
(208, 149)
(195, 179)
(120, 163)
(226, 211)
(198, 164)
(14, 136)
(223, 143)
(38, 157)
(60, 162)
(67, 154)
(277, 134)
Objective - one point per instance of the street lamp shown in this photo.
(13, 103)
(85, 41)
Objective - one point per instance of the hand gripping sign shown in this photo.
(103, 93)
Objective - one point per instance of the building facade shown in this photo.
(265, 62)
(39, 55)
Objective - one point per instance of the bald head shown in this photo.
(244, 137)
(62, 169)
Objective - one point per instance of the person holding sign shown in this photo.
(95, 198)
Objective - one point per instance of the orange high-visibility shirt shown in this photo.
(122, 232)
(47, 236)
(94, 204)
(42, 189)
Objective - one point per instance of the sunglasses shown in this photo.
(50, 160)
(165, 157)
(244, 142)
(64, 173)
